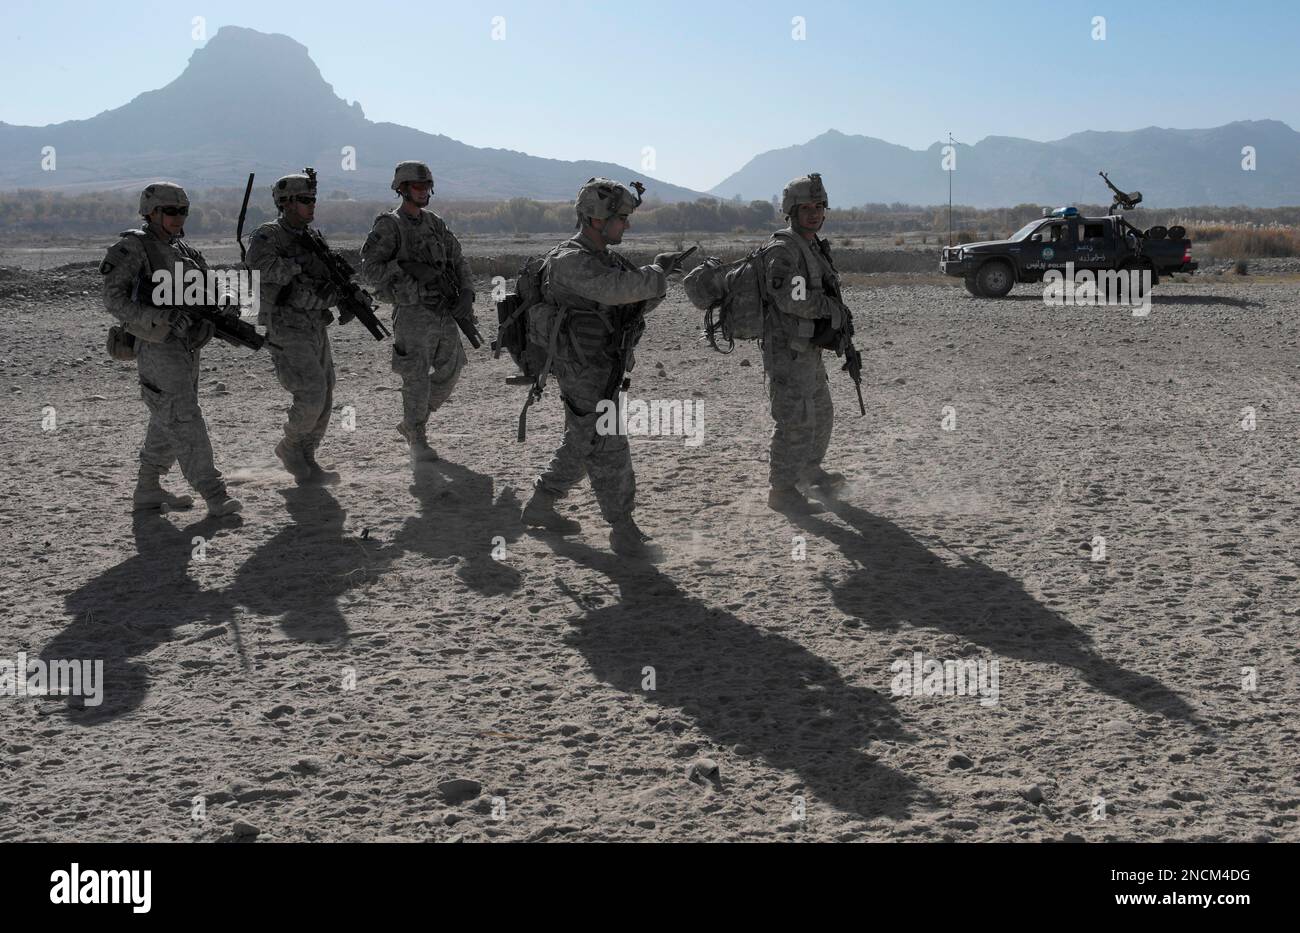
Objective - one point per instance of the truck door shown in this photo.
(1056, 244)
(1094, 248)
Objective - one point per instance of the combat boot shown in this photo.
(790, 501)
(415, 438)
(291, 456)
(149, 495)
(319, 475)
(223, 504)
(627, 540)
(828, 483)
(540, 513)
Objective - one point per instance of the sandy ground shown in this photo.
(228, 645)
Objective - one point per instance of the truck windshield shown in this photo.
(1025, 230)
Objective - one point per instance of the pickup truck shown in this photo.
(991, 268)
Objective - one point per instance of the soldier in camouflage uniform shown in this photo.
(414, 262)
(167, 345)
(296, 296)
(602, 297)
(802, 320)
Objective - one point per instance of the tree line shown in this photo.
(213, 213)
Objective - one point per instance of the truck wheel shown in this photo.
(1177, 233)
(973, 286)
(994, 279)
(1157, 233)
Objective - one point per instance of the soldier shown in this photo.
(167, 345)
(415, 263)
(802, 320)
(603, 298)
(296, 296)
(295, 302)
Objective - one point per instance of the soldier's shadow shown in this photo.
(460, 516)
(300, 573)
(132, 608)
(742, 686)
(899, 582)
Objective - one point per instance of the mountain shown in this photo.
(1172, 168)
(251, 101)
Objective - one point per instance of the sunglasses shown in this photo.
(304, 199)
(175, 211)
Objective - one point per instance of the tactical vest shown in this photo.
(160, 255)
(591, 330)
(818, 273)
(424, 242)
(288, 246)
(811, 261)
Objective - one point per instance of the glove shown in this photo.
(669, 262)
(200, 332)
(229, 306)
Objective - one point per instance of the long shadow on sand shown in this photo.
(741, 685)
(301, 572)
(459, 517)
(900, 582)
(132, 608)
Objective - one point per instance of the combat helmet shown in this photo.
(602, 198)
(162, 194)
(806, 189)
(292, 185)
(411, 171)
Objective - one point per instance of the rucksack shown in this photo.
(527, 328)
(513, 321)
(733, 297)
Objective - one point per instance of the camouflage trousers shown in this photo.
(304, 366)
(177, 433)
(425, 339)
(605, 459)
(801, 407)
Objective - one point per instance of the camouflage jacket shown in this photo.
(580, 276)
(397, 237)
(800, 275)
(128, 289)
(289, 285)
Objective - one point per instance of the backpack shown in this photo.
(735, 292)
(527, 328)
(519, 315)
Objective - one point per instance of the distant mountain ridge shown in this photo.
(253, 101)
(1172, 168)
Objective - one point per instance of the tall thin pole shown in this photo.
(954, 152)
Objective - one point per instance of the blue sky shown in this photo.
(706, 84)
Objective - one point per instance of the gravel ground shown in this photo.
(358, 664)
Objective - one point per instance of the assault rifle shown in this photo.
(843, 345)
(225, 326)
(354, 301)
(442, 280)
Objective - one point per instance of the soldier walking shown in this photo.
(603, 299)
(296, 296)
(166, 343)
(414, 262)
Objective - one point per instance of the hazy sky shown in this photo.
(707, 84)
